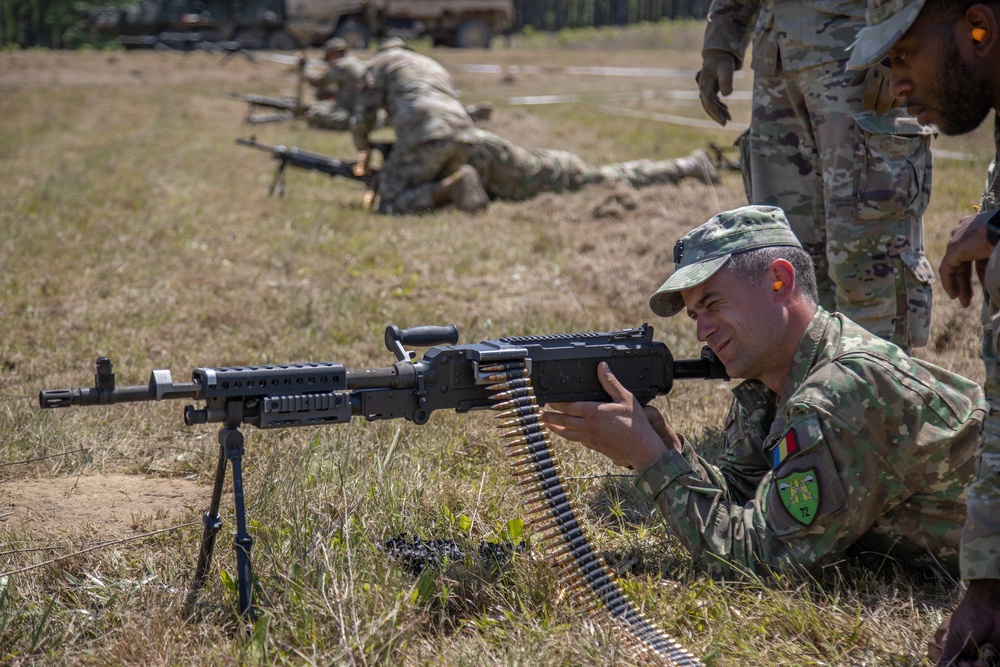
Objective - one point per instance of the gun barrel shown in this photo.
(699, 369)
(64, 398)
(253, 143)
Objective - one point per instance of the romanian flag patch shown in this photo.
(785, 448)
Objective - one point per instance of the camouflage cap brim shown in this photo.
(667, 300)
(887, 23)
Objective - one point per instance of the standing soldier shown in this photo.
(853, 176)
(336, 88)
(945, 57)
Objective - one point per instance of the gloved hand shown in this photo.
(875, 94)
(716, 76)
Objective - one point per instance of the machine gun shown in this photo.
(286, 107)
(296, 157)
(513, 376)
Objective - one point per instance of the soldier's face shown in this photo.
(938, 80)
(738, 321)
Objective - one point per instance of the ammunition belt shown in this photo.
(582, 572)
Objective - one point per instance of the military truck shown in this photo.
(293, 24)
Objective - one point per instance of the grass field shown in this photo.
(133, 227)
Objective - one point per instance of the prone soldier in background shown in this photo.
(825, 144)
(512, 173)
(441, 159)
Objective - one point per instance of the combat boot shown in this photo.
(699, 166)
(464, 189)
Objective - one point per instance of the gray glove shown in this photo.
(716, 76)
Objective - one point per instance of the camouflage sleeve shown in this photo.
(743, 463)
(371, 98)
(324, 80)
(801, 512)
(980, 555)
(730, 26)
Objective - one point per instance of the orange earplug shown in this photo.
(778, 285)
(978, 34)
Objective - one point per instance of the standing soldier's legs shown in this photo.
(877, 174)
(785, 166)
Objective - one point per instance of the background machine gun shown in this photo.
(285, 107)
(513, 376)
(357, 170)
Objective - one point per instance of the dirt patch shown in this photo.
(105, 506)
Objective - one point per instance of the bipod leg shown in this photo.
(232, 442)
(279, 180)
(213, 523)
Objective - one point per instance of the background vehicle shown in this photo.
(292, 24)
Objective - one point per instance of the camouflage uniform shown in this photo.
(341, 78)
(981, 540)
(512, 173)
(870, 451)
(853, 184)
(422, 105)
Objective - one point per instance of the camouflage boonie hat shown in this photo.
(888, 21)
(335, 44)
(706, 249)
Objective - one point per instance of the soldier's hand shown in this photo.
(361, 167)
(968, 249)
(971, 635)
(875, 94)
(715, 77)
(622, 430)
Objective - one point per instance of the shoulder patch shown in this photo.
(799, 493)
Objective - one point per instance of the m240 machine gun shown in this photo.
(357, 170)
(284, 107)
(512, 376)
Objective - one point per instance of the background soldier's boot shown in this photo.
(698, 165)
(464, 189)
(480, 112)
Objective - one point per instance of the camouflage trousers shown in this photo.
(328, 116)
(512, 173)
(854, 186)
(981, 540)
(409, 175)
(980, 558)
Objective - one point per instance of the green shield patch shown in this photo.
(799, 493)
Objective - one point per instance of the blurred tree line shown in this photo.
(52, 23)
(63, 23)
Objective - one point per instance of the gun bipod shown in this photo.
(231, 449)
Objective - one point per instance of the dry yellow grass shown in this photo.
(132, 226)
